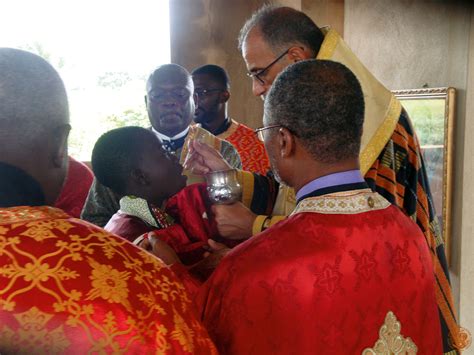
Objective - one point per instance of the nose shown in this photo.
(258, 89)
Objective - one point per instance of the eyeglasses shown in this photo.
(259, 131)
(205, 92)
(258, 75)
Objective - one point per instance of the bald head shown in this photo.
(34, 118)
(169, 99)
(168, 73)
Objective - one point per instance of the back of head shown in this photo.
(32, 100)
(116, 153)
(322, 103)
(33, 118)
(282, 27)
(215, 72)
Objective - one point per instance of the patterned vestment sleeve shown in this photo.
(100, 205)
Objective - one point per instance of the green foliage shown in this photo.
(113, 80)
(38, 49)
(130, 117)
(427, 116)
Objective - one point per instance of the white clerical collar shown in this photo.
(163, 137)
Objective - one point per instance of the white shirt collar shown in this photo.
(163, 137)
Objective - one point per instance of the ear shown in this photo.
(286, 142)
(60, 145)
(298, 53)
(225, 96)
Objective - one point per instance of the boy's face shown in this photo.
(163, 172)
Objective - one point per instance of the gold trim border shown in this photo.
(381, 136)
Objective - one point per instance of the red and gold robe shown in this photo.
(67, 286)
(392, 164)
(324, 281)
(251, 150)
(186, 223)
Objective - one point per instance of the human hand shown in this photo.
(212, 258)
(203, 159)
(159, 248)
(234, 221)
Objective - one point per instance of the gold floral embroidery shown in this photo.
(32, 335)
(182, 333)
(40, 231)
(162, 344)
(108, 283)
(351, 202)
(391, 341)
(25, 273)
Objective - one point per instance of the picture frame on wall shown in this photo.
(432, 113)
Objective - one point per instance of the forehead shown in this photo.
(256, 52)
(169, 80)
(204, 80)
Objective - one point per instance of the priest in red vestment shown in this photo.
(67, 286)
(390, 156)
(347, 272)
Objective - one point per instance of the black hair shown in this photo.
(322, 103)
(216, 72)
(116, 153)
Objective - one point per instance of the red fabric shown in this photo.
(191, 211)
(69, 287)
(323, 283)
(126, 226)
(76, 187)
(251, 150)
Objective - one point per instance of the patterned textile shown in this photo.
(186, 224)
(399, 175)
(102, 202)
(67, 286)
(251, 149)
(324, 282)
(391, 162)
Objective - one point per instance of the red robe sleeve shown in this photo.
(74, 193)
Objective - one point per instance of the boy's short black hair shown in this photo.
(116, 153)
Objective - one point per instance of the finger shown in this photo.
(215, 245)
(196, 165)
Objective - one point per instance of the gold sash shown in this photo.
(382, 109)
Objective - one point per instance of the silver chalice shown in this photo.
(223, 187)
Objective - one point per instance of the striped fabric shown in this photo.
(399, 175)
